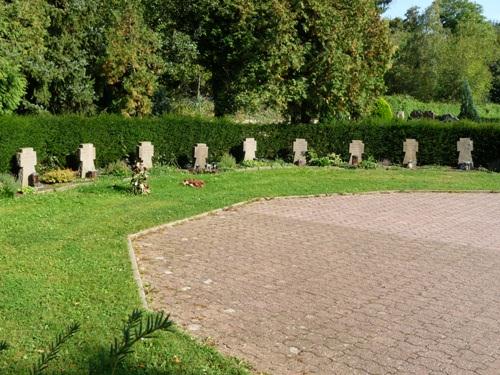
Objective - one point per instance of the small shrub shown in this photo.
(468, 110)
(8, 185)
(227, 162)
(118, 169)
(331, 160)
(382, 109)
(368, 163)
(58, 176)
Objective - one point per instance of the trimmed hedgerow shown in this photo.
(56, 138)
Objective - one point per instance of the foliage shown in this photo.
(174, 137)
(495, 87)
(54, 348)
(313, 59)
(468, 109)
(136, 330)
(74, 239)
(12, 87)
(408, 104)
(227, 162)
(8, 185)
(58, 176)
(139, 182)
(331, 159)
(451, 41)
(382, 110)
(130, 66)
(368, 163)
(383, 5)
(118, 168)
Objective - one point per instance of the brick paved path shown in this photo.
(376, 284)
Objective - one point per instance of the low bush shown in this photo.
(8, 185)
(330, 160)
(227, 162)
(382, 110)
(368, 163)
(58, 176)
(118, 169)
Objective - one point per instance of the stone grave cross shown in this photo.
(201, 156)
(299, 151)
(410, 148)
(356, 149)
(26, 159)
(86, 155)
(145, 151)
(465, 146)
(249, 147)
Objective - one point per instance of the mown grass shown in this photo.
(409, 104)
(63, 257)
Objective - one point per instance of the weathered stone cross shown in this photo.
(249, 147)
(201, 156)
(465, 146)
(86, 155)
(299, 150)
(145, 151)
(356, 149)
(410, 148)
(26, 159)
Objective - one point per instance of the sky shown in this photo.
(491, 8)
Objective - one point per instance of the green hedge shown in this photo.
(115, 138)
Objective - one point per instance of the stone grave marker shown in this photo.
(356, 149)
(465, 146)
(145, 151)
(26, 160)
(410, 148)
(86, 155)
(201, 156)
(400, 115)
(249, 147)
(299, 151)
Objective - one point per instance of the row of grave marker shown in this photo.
(26, 157)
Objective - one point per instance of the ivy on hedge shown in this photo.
(57, 138)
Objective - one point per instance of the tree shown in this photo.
(130, 65)
(449, 31)
(417, 65)
(383, 5)
(310, 59)
(12, 87)
(22, 47)
(495, 69)
(346, 51)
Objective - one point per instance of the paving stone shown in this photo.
(382, 283)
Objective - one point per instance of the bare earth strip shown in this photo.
(377, 284)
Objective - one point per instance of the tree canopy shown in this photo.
(307, 59)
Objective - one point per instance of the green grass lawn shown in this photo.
(63, 257)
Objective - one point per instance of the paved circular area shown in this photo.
(375, 284)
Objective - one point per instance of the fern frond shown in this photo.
(3, 346)
(54, 348)
(134, 331)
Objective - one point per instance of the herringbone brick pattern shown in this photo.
(368, 284)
